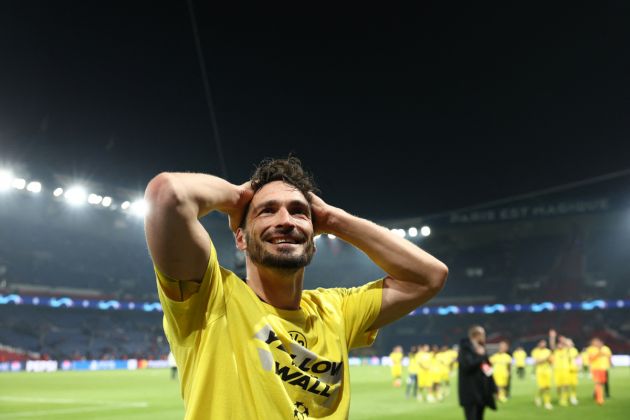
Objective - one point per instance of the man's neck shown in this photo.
(280, 288)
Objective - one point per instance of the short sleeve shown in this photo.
(182, 319)
(361, 306)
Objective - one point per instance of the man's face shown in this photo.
(503, 347)
(279, 228)
(479, 336)
(542, 344)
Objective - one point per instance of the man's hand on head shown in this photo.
(320, 214)
(237, 212)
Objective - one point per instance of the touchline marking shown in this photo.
(139, 404)
(96, 406)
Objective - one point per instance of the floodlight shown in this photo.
(413, 232)
(139, 207)
(34, 187)
(94, 199)
(6, 178)
(76, 195)
(58, 191)
(425, 231)
(107, 201)
(18, 183)
(125, 205)
(331, 236)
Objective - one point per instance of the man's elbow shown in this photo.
(437, 279)
(162, 191)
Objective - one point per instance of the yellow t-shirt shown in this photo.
(599, 358)
(240, 358)
(423, 358)
(396, 358)
(501, 363)
(561, 359)
(541, 358)
(519, 358)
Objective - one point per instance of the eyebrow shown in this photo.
(275, 203)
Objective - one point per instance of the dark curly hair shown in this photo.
(288, 170)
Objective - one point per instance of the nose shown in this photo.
(284, 219)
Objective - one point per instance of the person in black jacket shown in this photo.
(476, 386)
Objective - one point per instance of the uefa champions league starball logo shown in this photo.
(300, 411)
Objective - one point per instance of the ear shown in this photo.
(239, 237)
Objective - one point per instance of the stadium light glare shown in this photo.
(107, 201)
(125, 205)
(139, 207)
(76, 195)
(317, 237)
(34, 187)
(18, 183)
(6, 179)
(94, 199)
(331, 236)
(58, 191)
(425, 231)
(413, 232)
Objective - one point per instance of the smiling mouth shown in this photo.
(283, 241)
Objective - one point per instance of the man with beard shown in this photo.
(262, 347)
(476, 387)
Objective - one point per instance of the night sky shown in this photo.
(398, 112)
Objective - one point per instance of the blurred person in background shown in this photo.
(520, 360)
(172, 364)
(501, 365)
(561, 366)
(411, 389)
(599, 356)
(396, 357)
(435, 373)
(542, 365)
(261, 347)
(476, 386)
(423, 359)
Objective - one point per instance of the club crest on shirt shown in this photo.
(299, 338)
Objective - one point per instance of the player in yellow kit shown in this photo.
(542, 362)
(435, 373)
(520, 360)
(501, 365)
(423, 358)
(412, 374)
(396, 357)
(561, 366)
(261, 346)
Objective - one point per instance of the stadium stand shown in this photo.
(568, 247)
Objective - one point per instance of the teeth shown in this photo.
(282, 241)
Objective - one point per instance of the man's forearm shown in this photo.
(398, 257)
(193, 192)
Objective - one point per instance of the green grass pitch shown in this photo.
(150, 394)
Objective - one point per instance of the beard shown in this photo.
(283, 258)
